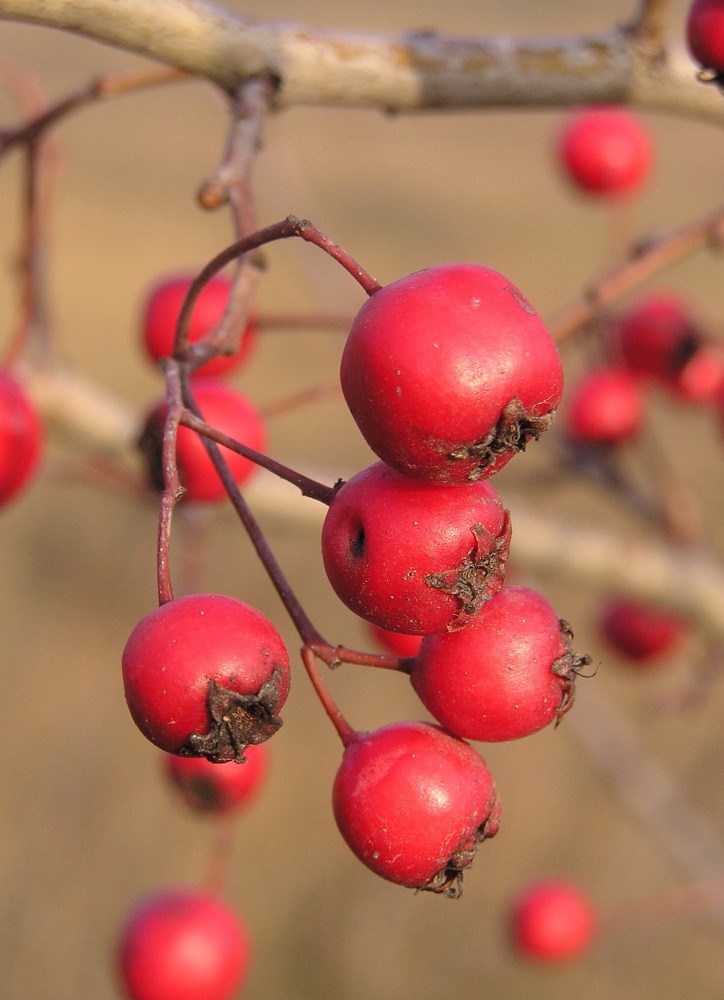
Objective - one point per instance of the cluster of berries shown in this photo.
(448, 373)
(222, 405)
(657, 341)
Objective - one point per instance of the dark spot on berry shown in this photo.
(357, 543)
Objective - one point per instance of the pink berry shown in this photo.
(21, 438)
(414, 556)
(206, 675)
(659, 337)
(413, 803)
(183, 944)
(605, 152)
(553, 921)
(701, 380)
(226, 410)
(449, 372)
(396, 643)
(640, 632)
(705, 33)
(605, 407)
(507, 674)
(218, 788)
(161, 314)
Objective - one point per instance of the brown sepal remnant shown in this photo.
(568, 667)
(237, 722)
(449, 880)
(514, 429)
(479, 576)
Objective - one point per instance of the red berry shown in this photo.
(413, 803)
(414, 556)
(553, 921)
(640, 632)
(449, 372)
(226, 410)
(605, 152)
(206, 675)
(701, 380)
(397, 643)
(705, 33)
(657, 336)
(507, 674)
(21, 438)
(218, 788)
(161, 314)
(183, 944)
(606, 406)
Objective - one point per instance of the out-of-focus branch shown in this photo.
(650, 257)
(412, 72)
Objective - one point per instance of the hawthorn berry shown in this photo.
(206, 675)
(218, 788)
(605, 407)
(226, 410)
(182, 944)
(605, 152)
(640, 632)
(552, 921)
(414, 556)
(658, 337)
(705, 34)
(413, 802)
(162, 310)
(449, 372)
(397, 643)
(21, 438)
(507, 674)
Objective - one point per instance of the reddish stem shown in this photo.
(345, 732)
(308, 487)
(289, 227)
(301, 620)
(222, 852)
(309, 232)
(173, 490)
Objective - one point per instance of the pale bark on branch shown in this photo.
(413, 72)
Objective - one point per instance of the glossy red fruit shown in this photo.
(182, 944)
(206, 675)
(226, 410)
(21, 438)
(606, 406)
(507, 674)
(414, 556)
(553, 921)
(705, 33)
(413, 803)
(639, 632)
(449, 372)
(161, 313)
(659, 337)
(605, 152)
(396, 643)
(218, 788)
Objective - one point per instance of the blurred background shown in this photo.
(87, 823)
